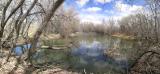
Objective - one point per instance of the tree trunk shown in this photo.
(42, 27)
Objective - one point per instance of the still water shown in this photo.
(91, 54)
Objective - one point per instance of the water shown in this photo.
(92, 58)
(94, 49)
(20, 49)
(89, 55)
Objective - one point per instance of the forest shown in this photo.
(46, 37)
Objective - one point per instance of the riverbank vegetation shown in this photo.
(43, 23)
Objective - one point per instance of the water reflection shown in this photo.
(90, 55)
(91, 50)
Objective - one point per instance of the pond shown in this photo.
(91, 54)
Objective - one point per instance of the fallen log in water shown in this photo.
(54, 47)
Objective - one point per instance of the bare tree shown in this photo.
(154, 6)
(65, 22)
(43, 25)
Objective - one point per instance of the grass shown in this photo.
(123, 36)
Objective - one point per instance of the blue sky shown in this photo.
(97, 10)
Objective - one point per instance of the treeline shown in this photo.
(145, 24)
(141, 26)
(106, 28)
(64, 22)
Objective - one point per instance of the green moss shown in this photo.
(53, 42)
(59, 42)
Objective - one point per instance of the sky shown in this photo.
(95, 11)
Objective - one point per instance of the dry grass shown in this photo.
(123, 36)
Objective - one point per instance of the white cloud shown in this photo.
(126, 9)
(92, 18)
(93, 9)
(121, 10)
(81, 3)
(109, 11)
(103, 1)
(115, 17)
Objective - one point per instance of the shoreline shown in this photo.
(123, 36)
